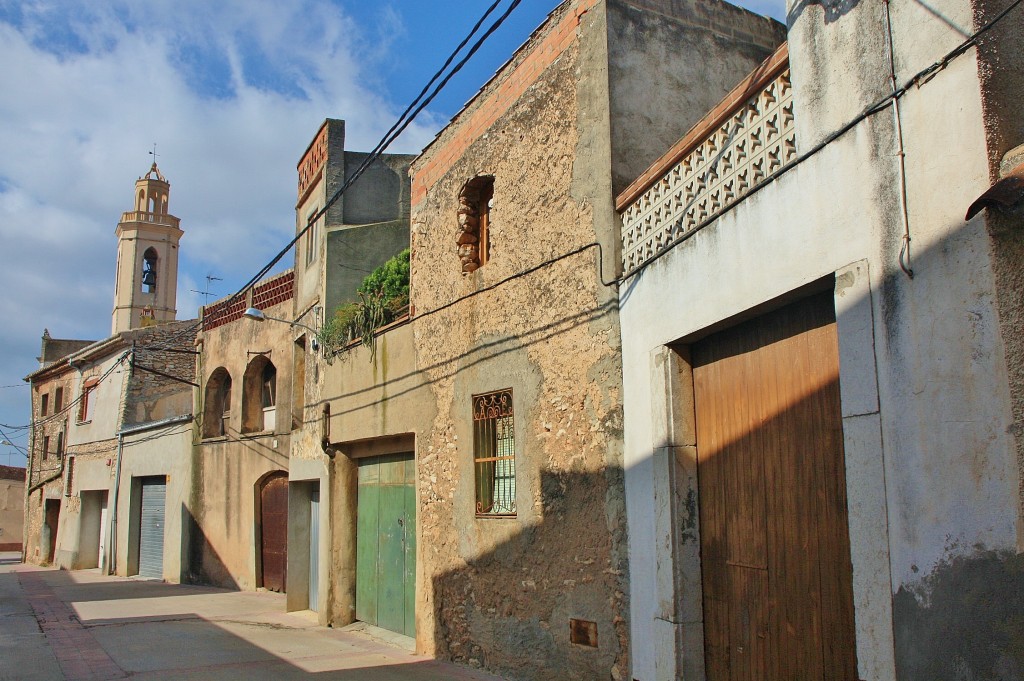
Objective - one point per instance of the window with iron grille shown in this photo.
(494, 453)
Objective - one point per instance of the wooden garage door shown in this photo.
(274, 531)
(386, 543)
(775, 554)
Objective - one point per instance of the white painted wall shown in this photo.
(931, 470)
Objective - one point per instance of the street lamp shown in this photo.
(8, 443)
(259, 316)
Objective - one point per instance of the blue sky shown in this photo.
(231, 92)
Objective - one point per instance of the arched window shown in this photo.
(217, 407)
(149, 260)
(259, 396)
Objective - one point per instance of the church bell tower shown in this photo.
(147, 257)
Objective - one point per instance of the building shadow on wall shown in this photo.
(511, 606)
(203, 564)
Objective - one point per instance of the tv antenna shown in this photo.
(206, 294)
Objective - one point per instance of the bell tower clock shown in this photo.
(147, 257)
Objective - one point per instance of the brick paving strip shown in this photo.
(79, 655)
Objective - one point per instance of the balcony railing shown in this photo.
(152, 218)
(743, 141)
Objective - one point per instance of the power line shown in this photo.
(416, 107)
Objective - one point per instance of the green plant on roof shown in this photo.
(383, 298)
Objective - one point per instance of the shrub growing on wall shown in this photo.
(383, 298)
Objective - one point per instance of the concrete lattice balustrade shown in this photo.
(749, 136)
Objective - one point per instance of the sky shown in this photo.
(231, 92)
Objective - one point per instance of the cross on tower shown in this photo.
(153, 153)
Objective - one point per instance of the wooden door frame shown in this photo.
(674, 459)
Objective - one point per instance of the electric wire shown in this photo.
(403, 122)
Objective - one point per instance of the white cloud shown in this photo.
(231, 92)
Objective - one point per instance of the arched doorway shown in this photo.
(274, 531)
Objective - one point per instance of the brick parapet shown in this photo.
(543, 48)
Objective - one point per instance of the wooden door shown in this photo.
(52, 523)
(274, 531)
(386, 543)
(775, 554)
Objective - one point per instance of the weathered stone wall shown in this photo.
(152, 397)
(45, 465)
(499, 592)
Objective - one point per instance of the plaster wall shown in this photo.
(227, 470)
(42, 467)
(649, 74)
(12, 514)
(327, 156)
(105, 400)
(378, 402)
(1000, 68)
(931, 470)
(355, 251)
(166, 452)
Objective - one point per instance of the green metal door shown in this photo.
(386, 543)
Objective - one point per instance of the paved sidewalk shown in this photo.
(83, 626)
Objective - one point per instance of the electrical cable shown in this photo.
(383, 144)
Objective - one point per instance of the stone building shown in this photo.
(110, 449)
(12, 508)
(822, 359)
(474, 453)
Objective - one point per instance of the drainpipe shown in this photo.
(904, 257)
(112, 539)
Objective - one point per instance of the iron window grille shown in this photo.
(494, 454)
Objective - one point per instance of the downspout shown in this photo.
(904, 257)
(112, 540)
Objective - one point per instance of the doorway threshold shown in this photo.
(381, 635)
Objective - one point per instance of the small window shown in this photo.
(85, 403)
(60, 445)
(474, 213)
(58, 400)
(312, 238)
(149, 261)
(494, 454)
(44, 406)
(46, 447)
